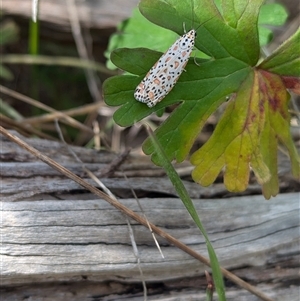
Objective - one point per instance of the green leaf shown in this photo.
(216, 37)
(180, 130)
(285, 60)
(132, 32)
(249, 127)
(265, 35)
(136, 61)
(270, 15)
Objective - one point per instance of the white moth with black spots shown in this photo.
(162, 77)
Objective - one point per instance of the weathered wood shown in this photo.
(60, 237)
(61, 240)
(147, 178)
(55, 233)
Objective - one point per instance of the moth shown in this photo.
(162, 77)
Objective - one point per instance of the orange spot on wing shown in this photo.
(151, 95)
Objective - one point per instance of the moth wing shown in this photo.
(164, 74)
(173, 64)
(140, 91)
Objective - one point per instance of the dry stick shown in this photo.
(130, 213)
(24, 129)
(64, 118)
(82, 50)
(57, 60)
(72, 112)
(97, 135)
(91, 76)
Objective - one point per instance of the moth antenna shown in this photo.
(196, 61)
(184, 29)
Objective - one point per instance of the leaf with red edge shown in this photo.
(247, 136)
(235, 141)
(276, 129)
